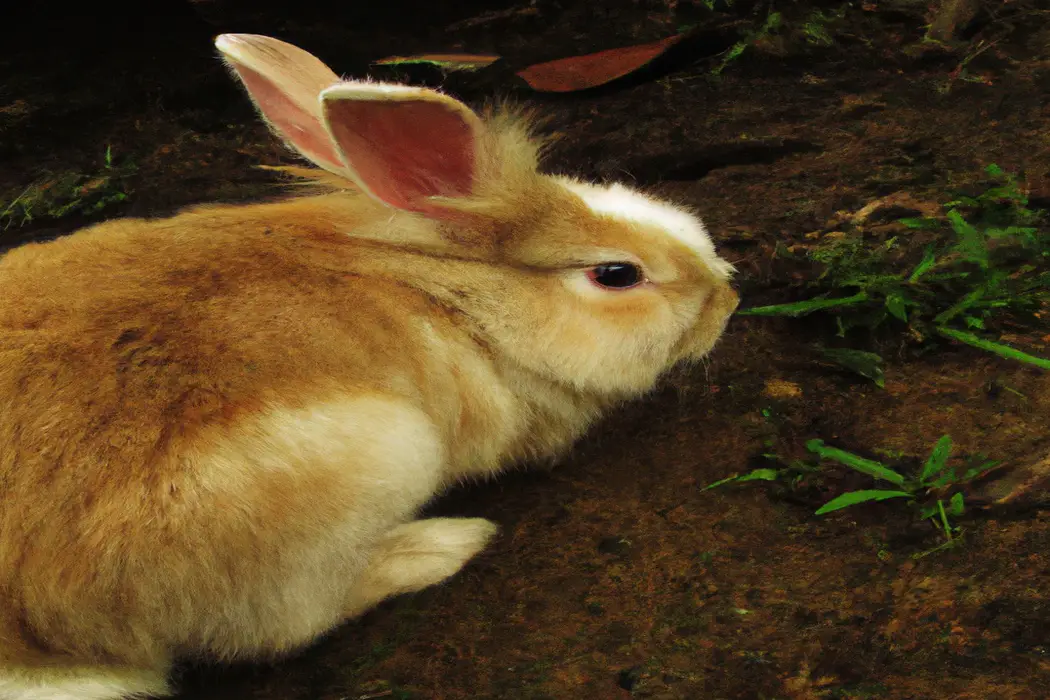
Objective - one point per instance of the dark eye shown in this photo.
(616, 275)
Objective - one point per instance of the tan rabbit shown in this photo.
(217, 428)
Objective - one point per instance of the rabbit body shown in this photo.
(218, 427)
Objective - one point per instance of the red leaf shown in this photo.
(591, 70)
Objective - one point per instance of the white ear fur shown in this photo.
(258, 52)
(362, 91)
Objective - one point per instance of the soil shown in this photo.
(616, 575)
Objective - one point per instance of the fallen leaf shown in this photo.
(866, 364)
(594, 69)
(895, 206)
(446, 61)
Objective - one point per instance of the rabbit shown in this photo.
(219, 427)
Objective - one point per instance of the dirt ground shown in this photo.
(615, 575)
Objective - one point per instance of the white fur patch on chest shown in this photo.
(625, 203)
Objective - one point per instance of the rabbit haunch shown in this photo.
(219, 427)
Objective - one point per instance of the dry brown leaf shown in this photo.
(594, 69)
(446, 61)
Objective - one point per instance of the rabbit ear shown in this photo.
(285, 82)
(404, 144)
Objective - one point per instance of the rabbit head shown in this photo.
(597, 287)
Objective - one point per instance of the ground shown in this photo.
(616, 575)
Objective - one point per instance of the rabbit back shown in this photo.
(214, 413)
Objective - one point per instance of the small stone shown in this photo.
(781, 389)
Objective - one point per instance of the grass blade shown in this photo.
(865, 466)
(946, 527)
(962, 305)
(938, 459)
(852, 498)
(756, 475)
(801, 308)
(929, 259)
(971, 241)
(997, 348)
(761, 475)
(920, 223)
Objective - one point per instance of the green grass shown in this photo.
(54, 196)
(934, 492)
(789, 28)
(768, 27)
(985, 266)
(816, 27)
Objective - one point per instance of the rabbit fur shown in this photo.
(219, 427)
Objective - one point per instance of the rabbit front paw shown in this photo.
(419, 554)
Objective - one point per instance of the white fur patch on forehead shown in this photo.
(625, 203)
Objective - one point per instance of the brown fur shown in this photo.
(217, 427)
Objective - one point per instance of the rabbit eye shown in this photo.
(616, 275)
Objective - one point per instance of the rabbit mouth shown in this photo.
(711, 322)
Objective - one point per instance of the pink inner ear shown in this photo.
(305, 131)
(405, 150)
